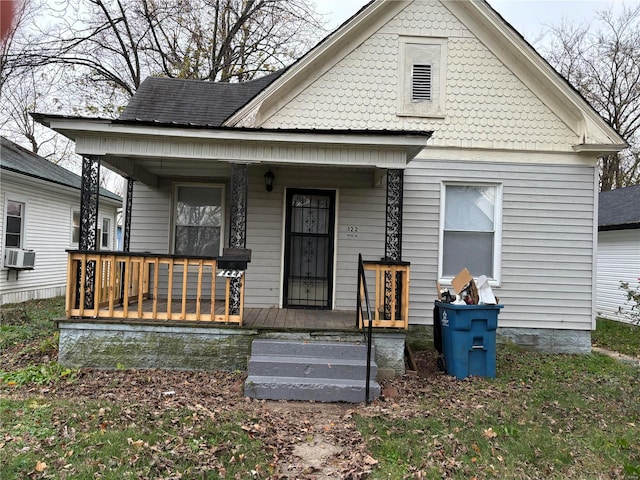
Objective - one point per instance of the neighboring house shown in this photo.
(427, 132)
(618, 249)
(40, 213)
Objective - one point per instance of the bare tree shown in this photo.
(15, 46)
(24, 86)
(114, 45)
(90, 56)
(603, 64)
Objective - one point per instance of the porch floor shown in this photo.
(258, 318)
(299, 319)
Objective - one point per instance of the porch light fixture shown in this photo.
(268, 180)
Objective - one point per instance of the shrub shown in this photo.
(633, 300)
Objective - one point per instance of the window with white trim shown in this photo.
(75, 227)
(105, 234)
(198, 220)
(471, 230)
(14, 231)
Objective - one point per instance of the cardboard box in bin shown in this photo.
(464, 285)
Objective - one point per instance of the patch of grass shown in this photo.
(32, 323)
(99, 439)
(45, 374)
(617, 336)
(544, 416)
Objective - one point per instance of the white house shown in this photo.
(40, 217)
(618, 250)
(427, 133)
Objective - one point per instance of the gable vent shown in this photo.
(421, 83)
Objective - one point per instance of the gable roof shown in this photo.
(191, 102)
(619, 209)
(15, 158)
(594, 133)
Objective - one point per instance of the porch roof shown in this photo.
(130, 147)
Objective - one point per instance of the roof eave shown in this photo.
(601, 148)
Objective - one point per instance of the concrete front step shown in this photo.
(309, 370)
(310, 367)
(310, 348)
(309, 389)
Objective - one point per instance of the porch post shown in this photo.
(89, 196)
(393, 224)
(393, 236)
(239, 186)
(126, 233)
(238, 227)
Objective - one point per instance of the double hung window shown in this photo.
(105, 234)
(198, 220)
(14, 224)
(75, 227)
(471, 227)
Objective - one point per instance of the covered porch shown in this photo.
(170, 300)
(192, 192)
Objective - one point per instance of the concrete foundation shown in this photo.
(390, 351)
(420, 337)
(547, 340)
(110, 346)
(107, 345)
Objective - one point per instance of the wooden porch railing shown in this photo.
(144, 286)
(391, 307)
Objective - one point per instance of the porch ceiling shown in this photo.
(142, 150)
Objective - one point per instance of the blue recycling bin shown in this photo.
(469, 339)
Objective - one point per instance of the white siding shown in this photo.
(358, 204)
(618, 260)
(547, 236)
(150, 217)
(47, 230)
(547, 239)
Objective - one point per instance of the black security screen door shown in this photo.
(309, 248)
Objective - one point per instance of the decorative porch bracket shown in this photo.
(89, 196)
(238, 227)
(393, 235)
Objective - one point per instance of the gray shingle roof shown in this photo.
(191, 102)
(17, 159)
(619, 209)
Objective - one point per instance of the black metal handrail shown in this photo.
(362, 281)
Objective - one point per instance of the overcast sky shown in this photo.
(529, 17)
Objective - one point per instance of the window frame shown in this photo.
(73, 227)
(23, 220)
(496, 279)
(174, 204)
(107, 232)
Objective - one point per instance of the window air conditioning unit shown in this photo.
(19, 258)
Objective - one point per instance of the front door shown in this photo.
(308, 273)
